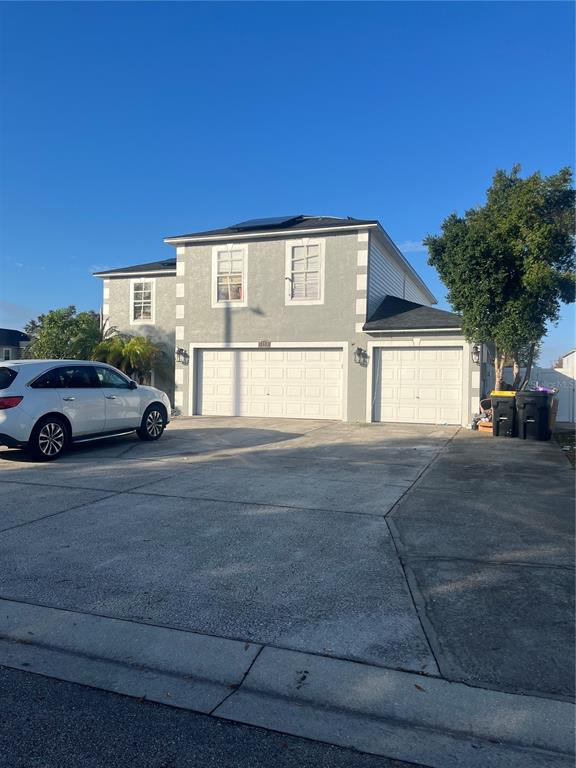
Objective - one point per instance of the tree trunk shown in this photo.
(529, 363)
(516, 374)
(499, 358)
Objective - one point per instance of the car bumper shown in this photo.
(10, 442)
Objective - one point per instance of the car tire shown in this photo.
(49, 439)
(153, 423)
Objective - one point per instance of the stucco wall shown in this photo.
(116, 303)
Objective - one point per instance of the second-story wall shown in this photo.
(266, 315)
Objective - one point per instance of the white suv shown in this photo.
(47, 404)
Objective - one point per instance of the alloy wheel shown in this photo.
(51, 439)
(154, 424)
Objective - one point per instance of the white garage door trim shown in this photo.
(196, 348)
(419, 343)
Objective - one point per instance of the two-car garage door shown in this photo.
(418, 385)
(291, 383)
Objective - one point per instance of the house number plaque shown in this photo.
(265, 344)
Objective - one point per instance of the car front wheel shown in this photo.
(49, 439)
(153, 423)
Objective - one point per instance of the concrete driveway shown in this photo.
(426, 549)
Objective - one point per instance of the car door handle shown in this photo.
(68, 399)
(110, 397)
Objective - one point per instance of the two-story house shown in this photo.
(299, 317)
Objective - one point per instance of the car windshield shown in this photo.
(7, 376)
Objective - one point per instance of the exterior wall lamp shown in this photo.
(361, 356)
(182, 356)
(475, 353)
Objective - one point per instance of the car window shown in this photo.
(7, 376)
(77, 377)
(110, 378)
(47, 380)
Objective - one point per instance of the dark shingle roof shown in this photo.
(152, 266)
(396, 314)
(289, 222)
(10, 338)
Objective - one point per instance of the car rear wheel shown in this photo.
(153, 423)
(49, 439)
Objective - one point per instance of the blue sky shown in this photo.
(126, 122)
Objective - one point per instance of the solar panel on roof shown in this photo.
(275, 221)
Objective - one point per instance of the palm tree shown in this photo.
(135, 355)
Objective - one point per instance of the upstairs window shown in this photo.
(305, 272)
(142, 301)
(229, 275)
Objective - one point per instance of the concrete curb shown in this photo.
(386, 712)
(169, 666)
(401, 714)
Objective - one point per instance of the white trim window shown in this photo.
(229, 274)
(6, 354)
(305, 271)
(142, 292)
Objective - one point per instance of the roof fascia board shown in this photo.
(233, 236)
(135, 273)
(405, 263)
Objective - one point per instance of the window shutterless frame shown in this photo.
(230, 275)
(304, 271)
(142, 301)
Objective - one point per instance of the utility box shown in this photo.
(534, 415)
(503, 413)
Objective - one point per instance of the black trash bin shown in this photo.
(503, 414)
(533, 415)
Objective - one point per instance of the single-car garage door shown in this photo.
(291, 383)
(418, 385)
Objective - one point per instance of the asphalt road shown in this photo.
(47, 723)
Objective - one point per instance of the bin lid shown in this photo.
(502, 393)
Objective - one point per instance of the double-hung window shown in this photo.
(229, 275)
(305, 272)
(142, 301)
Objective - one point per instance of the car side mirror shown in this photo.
(132, 384)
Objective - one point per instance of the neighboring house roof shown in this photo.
(277, 224)
(10, 338)
(168, 265)
(396, 314)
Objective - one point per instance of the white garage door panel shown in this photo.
(421, 386)
(289, 383)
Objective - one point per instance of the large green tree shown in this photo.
(509, 264)
(64, 334)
